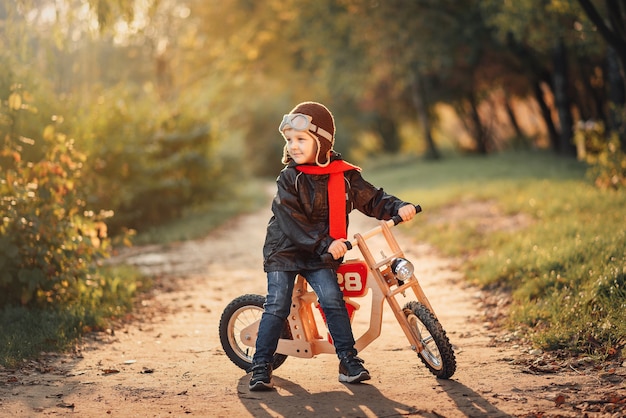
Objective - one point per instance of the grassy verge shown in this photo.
(25, 332)
(565, 269)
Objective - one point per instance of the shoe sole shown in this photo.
(261, 386)
(354, 379)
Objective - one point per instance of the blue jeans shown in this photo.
(278, 304)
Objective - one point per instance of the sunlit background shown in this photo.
(117, 116)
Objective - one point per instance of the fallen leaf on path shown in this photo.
(559, 400)
(76, 373)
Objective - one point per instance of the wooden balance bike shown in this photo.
(388, 278)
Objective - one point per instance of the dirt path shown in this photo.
(168, 361)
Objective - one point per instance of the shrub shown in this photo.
(49, 242)
(606, 157)
(149, 159)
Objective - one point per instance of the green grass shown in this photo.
(565, 267)
(25, 332)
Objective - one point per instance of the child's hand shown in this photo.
(407, 212)
(337, 248)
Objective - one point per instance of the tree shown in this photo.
(614, 33)
(562, 56)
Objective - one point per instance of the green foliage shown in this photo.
(197, 221)
(149, 149)
(606, 157)
(150, 159)
(52, 286)
(564, 260)
(49, 242)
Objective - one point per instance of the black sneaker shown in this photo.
(351, 370)
(261, 377)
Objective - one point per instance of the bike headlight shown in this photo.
(402, 269)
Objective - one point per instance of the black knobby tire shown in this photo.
(238, 314)
(438, 355)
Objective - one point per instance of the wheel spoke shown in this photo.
(437, 353)
(241, 313)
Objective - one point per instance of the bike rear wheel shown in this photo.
(238, 314)
(437, 355)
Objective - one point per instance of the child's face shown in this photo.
(301, 146)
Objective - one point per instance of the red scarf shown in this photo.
(336, 193)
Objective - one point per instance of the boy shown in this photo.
(316, 191)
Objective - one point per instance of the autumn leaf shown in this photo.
(15, 101)
(559, 400)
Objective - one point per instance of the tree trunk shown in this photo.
(536, 75)
(617, 97)
(512, 118)
(562, 101)
(479, 129)
(595, 97)
(614, 36)
(553, 135)
(388, 131)
(421, 107)
(614, 33)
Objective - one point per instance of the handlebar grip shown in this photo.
(328, 257)
(397, 219)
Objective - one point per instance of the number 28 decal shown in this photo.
(352, 278)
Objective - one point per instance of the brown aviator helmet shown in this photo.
(316, 119)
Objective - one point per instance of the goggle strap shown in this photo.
(320, 131)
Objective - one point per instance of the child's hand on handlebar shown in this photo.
(407, 212)
(337, 248)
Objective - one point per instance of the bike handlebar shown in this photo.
(395, 220)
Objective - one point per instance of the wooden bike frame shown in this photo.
(306, 340)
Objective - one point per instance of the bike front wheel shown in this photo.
(240, 313)
(437, 353)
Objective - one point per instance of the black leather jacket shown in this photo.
(298, 232)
